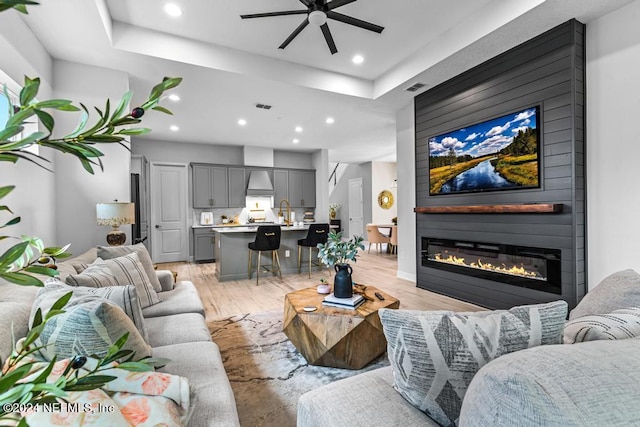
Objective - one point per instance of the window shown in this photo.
(12, 89)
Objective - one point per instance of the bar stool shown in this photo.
(267, 239)
(318, 233)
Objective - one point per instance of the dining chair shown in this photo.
(374, 236)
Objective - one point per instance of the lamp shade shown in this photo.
(115, 213)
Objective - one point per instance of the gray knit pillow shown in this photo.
(435, 354)
(617, 325)
(124, 297)
(618, 290)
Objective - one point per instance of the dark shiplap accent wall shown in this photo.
(547, 71)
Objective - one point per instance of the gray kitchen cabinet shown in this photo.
(210, 186)
(204, 244)
(302, 188)
(237, 187)
(280, 185)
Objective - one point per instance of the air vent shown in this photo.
(263, 106)
(415, 87)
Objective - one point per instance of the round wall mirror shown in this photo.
(385, 199)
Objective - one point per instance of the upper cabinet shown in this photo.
(302, 188)
(216, 186)
(210, 186)
(280, 185)
(237, 187)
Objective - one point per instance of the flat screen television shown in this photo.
(497, 154)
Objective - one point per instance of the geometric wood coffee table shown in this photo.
(336, 337)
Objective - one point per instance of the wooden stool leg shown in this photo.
(299, 257)
(309, 262)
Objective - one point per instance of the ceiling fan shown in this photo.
(318, 11)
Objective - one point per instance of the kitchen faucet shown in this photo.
(288, 220)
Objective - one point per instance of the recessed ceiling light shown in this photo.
(296, 140)
(329, 120)
(172, 9)
(174, 128)
(242, 122)
(174, 97)
(298, 129)
(358, 59)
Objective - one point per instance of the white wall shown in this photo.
(78, 192)
(613, 149)
(320, 162)
(382, 176)
(406, 168)
(34, 197)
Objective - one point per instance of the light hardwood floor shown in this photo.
(222, 300)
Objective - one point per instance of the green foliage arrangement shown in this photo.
(112, 126)
(337, 251)
(17, 391)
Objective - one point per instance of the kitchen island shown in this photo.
(233, 252)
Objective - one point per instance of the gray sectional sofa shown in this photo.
(177, 331)
(594, 383)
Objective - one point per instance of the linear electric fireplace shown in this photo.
(528, 267)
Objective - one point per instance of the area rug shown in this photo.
(266, 372)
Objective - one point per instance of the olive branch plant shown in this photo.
(112, 126)
(30, 256)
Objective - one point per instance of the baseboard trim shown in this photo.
(412, 277)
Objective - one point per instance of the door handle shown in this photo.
(158, 226)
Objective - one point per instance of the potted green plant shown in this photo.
(337, 253)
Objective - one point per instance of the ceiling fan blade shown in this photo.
(294, 34)
(337, 3)
(329, 38)
(354, 21)
(307, 3)
(268, 14)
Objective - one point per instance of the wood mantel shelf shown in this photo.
(529, 208)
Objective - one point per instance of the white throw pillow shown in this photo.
(617, 325)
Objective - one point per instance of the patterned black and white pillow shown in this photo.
(125, 297)
(87, 328)
(617, 325)
(435, 355)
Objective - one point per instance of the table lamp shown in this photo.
(116, 214)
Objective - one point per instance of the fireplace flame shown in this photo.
(513, 270)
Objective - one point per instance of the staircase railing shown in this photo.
(334, 175)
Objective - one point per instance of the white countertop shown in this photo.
(254, 228)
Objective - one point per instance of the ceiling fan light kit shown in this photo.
(318, 11)
(317, 18)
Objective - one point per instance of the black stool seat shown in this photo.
(317, 234)
(267, 239)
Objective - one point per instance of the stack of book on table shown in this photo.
(354, 302)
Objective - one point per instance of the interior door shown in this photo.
(356, 208)
(169, 211)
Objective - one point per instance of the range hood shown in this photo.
(259, 184)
